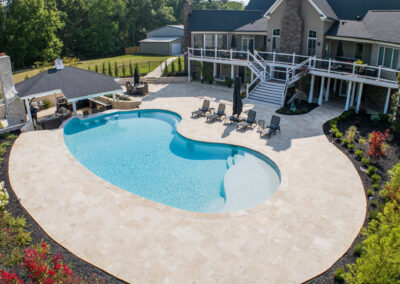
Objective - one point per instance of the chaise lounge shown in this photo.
(251, 119)
(218, 115)
(202, 111)
(272, 128)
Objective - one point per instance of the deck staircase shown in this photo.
(270, 92)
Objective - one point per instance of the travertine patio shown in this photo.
(299, 233)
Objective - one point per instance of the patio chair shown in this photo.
(251, 119)
(202, 111)
(218, 115)
(94, 110)
(273, 127)
(85, 113)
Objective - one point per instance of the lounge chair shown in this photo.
(202, 111)
(94, 110)
(251, 119)
(218, 115)
(273, 127)
(85, 113)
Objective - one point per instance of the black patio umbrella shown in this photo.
(136, 76)
(233, 42)
(237, 98)
(339, 52)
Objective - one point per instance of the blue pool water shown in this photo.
(141, 152)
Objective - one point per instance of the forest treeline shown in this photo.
(41, 30)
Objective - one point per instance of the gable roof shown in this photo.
(325, 8)
(180, 27)
(74, 83)
(224, 20)
(376, 25)
(262, 5)
(259, 25)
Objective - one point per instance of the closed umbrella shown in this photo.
(237, 98)
(136, 76)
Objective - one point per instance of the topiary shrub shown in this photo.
(351, 147)
(345, 142)
(370, 192)
(338, 134)
(376, 186)
(360, 154)
(373, 203)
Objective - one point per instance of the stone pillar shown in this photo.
(187, 36)
(292, 29)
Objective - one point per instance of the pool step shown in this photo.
(229, 162)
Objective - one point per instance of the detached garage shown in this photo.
(167, 40)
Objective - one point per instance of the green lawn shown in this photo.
(146, 64)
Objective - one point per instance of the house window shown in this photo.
(359, 51)
(388, 57)
(247, 43)
(276, 40)
(198, 41)
(209, 41)
(222, 41)
(312, 43)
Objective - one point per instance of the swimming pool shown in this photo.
(141, 152)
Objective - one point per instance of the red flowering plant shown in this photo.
(377, 144)
(9, 278)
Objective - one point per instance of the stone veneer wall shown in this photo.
(292, 28)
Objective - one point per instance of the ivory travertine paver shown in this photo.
(299, 233)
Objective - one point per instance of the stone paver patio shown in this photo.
(299, 233)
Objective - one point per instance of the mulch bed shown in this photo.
(78, 265)
(365, 126)
(301, 108)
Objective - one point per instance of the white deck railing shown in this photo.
(332, 67)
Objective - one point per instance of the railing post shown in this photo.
(201, 52)
(379, 72)
(248, 55)
(273, 57)
(215, 53)
(315, 62)
(231, 54)
(294, 59)
(247, 90)
(354, 68)
(309, 63)
(330, 65)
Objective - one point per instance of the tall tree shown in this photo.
(31, 31)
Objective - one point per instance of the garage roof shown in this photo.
(161, 39)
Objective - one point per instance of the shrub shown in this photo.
(376, 144)
(338, 134)
(351, 147)
(365, 162)
(360, 154)
(103, 69)
(130, 69)
(370, 192)
(373, 203)
(96, 68)
(351, 133)
(376, 186)
(357, 250)
(123, 70)
(173, 67)
(376, 178)
(373, 214)
(243, 95)
(180, 64)
(362, 140)
(109, 69)
(88, 68)
(116, 69)
(3, 196)
(46, 104)
(339, 274)
(229, 82)
(26, 77)
(371, 170)
(345, 142)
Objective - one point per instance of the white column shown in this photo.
(310, 97)
(353, 94)
(232, 72)
(346, 108)
(74, 108)
(215, 70)
(114, 97)
(385, 110)
(360, 90)
(321, 91)
(328, 90)
(28, 110)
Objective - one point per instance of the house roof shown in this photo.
(225, 20)
(181, 27)
(262, 5)
(376, 25)
(325, 8)
(161, 39)
(74, 83)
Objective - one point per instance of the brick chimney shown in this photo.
(292, 31)
(187, 10)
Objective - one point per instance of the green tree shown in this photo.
(116, 70)
(96, 69)
(130, 69)
(109, 69)
(172, 67)
(103, 69)
(179, 64)
(123, 70)
(88, 68)
(31, 31)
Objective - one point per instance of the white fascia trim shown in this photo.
(39, 95)
(322, 14)
(272, 8)
(363, 41)
(234, 32)
(95, 95)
